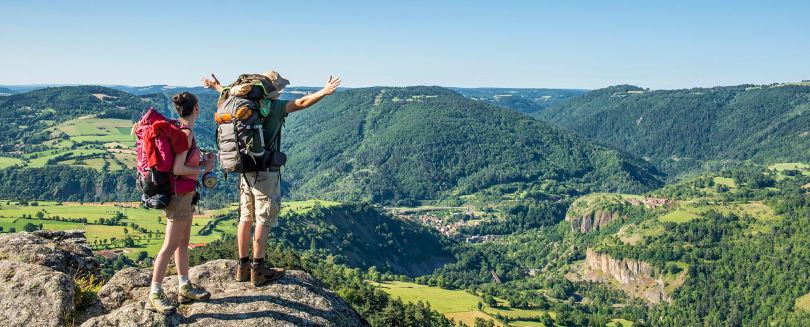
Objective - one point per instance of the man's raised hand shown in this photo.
(331, 85)
(210, 83)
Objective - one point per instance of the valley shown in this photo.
(420, 198)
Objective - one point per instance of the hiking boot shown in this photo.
(260, 274)
(161, 302)
(191, 292)
(243, 272)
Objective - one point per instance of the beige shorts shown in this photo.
(180, 207)
(261, 200)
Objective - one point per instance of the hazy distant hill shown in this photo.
(527, 101)
(682, 128)
(141, 90)
(289, 92)
(386, 144)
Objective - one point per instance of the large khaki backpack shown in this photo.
(240, 116)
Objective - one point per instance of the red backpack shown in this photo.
(158, 140)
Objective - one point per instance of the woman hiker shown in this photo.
(187, 167)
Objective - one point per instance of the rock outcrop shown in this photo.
(297, 299)
(33, 295)
(37, 289)
(36, 275)
(592, 221)
(65, 251)
(635, 277)
(594, 211)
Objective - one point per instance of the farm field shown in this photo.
(101, 144)
(688, 211)
(145, 227)
(456, 304)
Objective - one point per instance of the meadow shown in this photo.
(145, 227)
(459, 305)
(101, 144)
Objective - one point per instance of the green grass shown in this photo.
(725, 181)
(526, 324)
(441, 300)
(41, 161)
(682, 214)
(8, 162)
(803, 302)
(689, 211)
(304, 206)
(150, 219)
(469, 318)
(619, 323)
(789, 166)
(803, 168)
(456, 304)
(95, 132)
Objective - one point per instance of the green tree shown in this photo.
(29, 227)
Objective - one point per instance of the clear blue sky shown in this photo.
(553, 44)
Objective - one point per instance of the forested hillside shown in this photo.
(30, 114)
(358, 235)
(682, 129)
(401, 144)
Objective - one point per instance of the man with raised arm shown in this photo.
(261, 201)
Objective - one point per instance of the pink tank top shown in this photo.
(193, 157)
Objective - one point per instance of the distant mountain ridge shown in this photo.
(529, 101)
(681, 129)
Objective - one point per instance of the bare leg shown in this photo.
(181, 253)
(243, 238)
(174, 231)
(260, 241)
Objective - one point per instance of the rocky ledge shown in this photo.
(37, 289)
(297, 299)
(64, 251)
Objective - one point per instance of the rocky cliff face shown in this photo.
(37, 289)
(635, 278)
(36, 276)
(592, 221)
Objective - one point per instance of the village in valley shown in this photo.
(447, 220)
(650, 203)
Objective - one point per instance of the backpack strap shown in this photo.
(193, 138)
(276, 136)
